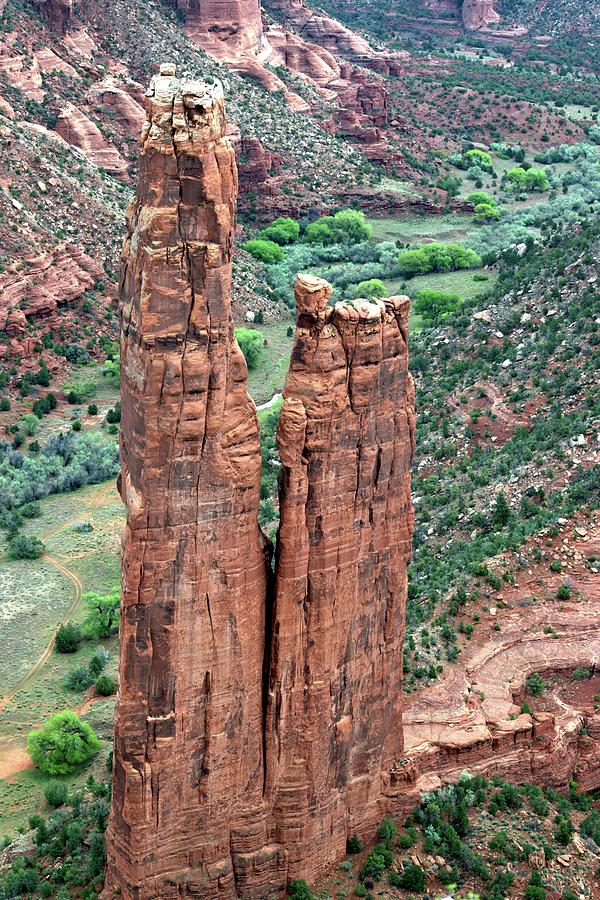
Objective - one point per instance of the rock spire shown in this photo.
(258, 717)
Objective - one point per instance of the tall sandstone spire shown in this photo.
(258, 721)
(346, 438)
(188, 758)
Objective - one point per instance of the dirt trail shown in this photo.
(95, 503)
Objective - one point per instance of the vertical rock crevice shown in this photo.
(259, 713)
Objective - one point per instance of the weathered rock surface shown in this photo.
(114, 98)
(346, 437)
(57, 13)
(479, 13)
(187, 817)
(35, 289)
(76, 128)
(226, 26)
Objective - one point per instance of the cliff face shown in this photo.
(346, 437)
(225, 25)
(256, 726)
(479, 13)
(188, 762)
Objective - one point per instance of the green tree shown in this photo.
(413, 878)
(479, 158)
(501, 513)
(265, 251)
(299, 890)
(388, 831)
(434, 306)
(63, 746)
(535, 684)
(102, 616)
(282, 231)
(251, 345)
(486, 212)
(371, 288)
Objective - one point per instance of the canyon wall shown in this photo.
(257, 718)
(226, 26)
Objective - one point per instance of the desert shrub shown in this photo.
(378, 860)
(281, 231)
(581, 674)
(299, 890)
(31, 510)
(405, 841)
(77, 679)
(63, 746)
(413, 878)
(29, 424)
(23, 546)
(251, 345)
(564, 592)
(105, 686)
(564, 830)
(353, 845)
(97, 662)
(68, 638)
(56, 794)
(388, 831)
(21, 879)
(102, 615)
(113, 416)
(265, 251)
(535, 684)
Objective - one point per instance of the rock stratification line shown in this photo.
(346, 439)
(188, 760)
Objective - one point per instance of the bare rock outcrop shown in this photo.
(57, 13)
(346, 437)
(188, 816)
(477, 14)
(224, 26)
(77, 129)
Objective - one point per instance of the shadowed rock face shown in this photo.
(250, 741)
(188, 751)
(57, 13)
(346, 438)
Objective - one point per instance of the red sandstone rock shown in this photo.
(114, 98)
(226, 26)
(479, 13)
(57, 13)
(346, 438)
(77, 129)
(188, 816)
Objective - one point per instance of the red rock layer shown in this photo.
(187, 817)
(479, 13)
(346, 438)
(236, 25)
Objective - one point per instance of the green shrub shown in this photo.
(251, 345)
(413, 878)
(378, 860)
(299, 890)
(23, 546)
(265, 251)
(564, 592)
(434, 306)
(105, 686)
(437, 257)
(388, 831)
(535, 684)
(348, 226)
(581, 674)
(68, 638)
(353, 845)
(77, 679)
(63, 746)
(405, 841)
(56, 794)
